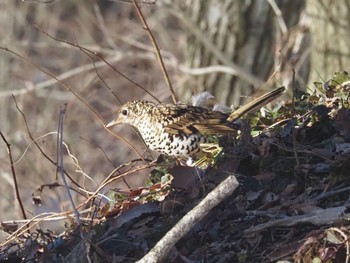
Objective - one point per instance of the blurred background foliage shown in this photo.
(235, 49)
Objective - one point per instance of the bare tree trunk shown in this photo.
(331, 37)
(240, 35)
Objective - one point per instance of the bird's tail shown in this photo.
(256, 103)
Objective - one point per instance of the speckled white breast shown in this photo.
(178, 145)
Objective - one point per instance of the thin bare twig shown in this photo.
(113, 93)
(36, 144)
(294, 129)
(99, 57)
(40, 189)
(35, 220)
(117, 56)
(73, 92)
(49, 216)
(54, 217)
(156, 48)
(60, 169)
(18, 196)
(107, 157)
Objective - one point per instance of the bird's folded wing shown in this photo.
(189, 120)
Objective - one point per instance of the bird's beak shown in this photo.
(112, 123)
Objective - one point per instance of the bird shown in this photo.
(179, 130)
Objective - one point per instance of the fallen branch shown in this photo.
(161, 249)
(328, 216)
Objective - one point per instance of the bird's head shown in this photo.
(131, 113)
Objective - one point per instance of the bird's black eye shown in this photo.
(124, 112)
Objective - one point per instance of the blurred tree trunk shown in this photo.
(242, 35)
(330, 29)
